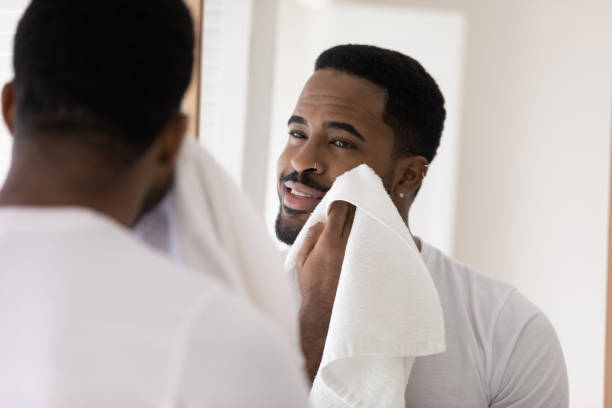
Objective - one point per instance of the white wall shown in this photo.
(225, 81)
(237, 77)
(261, 81)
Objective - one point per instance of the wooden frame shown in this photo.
(608, 363)
(191, 103)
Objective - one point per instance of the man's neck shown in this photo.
(37, 181)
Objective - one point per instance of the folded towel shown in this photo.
(206, 223)
(386, 310)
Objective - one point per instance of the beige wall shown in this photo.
(532, 204)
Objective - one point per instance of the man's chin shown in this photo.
(289, 224)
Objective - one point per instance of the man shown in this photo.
(364, 104)
(89, 316)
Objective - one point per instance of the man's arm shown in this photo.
(318, 271)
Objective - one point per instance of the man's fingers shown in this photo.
(311, 240)
(336, 219)
(348, 224)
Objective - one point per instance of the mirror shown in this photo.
(519, 188)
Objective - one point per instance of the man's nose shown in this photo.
(307, 158)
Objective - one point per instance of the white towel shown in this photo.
(386, 310)
(206, 223)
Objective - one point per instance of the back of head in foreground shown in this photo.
(94, 106)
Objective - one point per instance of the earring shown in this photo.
(424, 171)
(401, 195)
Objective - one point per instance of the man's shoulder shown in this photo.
(511, 342)
(81, 245)
(492, 307)
(457, 280)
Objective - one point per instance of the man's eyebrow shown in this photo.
(297, 119)
(346, 127)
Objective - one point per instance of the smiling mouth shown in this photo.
(299, 198)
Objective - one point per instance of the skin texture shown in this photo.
(61, 170)
(318, 133)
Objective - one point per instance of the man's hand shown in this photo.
(318, 271)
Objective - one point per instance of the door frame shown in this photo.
(608, 358)
(192, 100)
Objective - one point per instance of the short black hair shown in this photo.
(414, 107)
(119, 68)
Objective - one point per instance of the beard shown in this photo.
(285, 232)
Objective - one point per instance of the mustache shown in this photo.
(305, 179)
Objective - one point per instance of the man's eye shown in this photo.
(342, 144)
(297, 135)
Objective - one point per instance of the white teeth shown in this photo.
(297, 193)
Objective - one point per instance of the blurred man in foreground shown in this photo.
(90, 317)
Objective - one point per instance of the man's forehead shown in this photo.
(344, 93)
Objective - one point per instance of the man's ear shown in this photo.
(9, 106)
(408, 175)
(171, 139)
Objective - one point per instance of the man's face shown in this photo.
(337, 125)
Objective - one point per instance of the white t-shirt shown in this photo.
(501, 349)
(90, 317)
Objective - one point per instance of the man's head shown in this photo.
(363, 104)
(104, 78)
